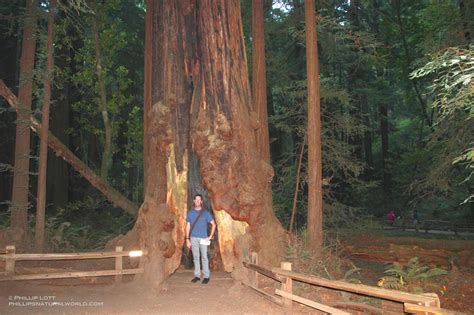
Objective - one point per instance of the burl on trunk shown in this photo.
(197, 101)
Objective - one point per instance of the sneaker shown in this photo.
(195, 279)
(205, 281)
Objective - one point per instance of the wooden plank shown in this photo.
(318, 306)
(77, 274)
(65, 256)
(274, 299)
(287, 285)
(264, 271)
(253, 274)
(366, 309)
(10, 264)
(118, 264)
(420, 309)
(357, 288)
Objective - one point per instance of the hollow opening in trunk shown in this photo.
(195, 186)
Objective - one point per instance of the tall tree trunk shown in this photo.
(106, 160)
(114, 196)
(315, 191)
(19, 208)
(9, 50)
(408, 61)
(259, 88)
(43, 157)
(465, 9)
(369, 160)
(385, 155)
(200, 101)
(259, 80)
(57, 177)
(297, 186)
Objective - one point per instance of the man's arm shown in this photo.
(188, 241)
(213, 229)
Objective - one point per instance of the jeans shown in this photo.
(198, 252)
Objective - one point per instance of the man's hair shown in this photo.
(198, 195)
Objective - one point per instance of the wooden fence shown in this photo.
(11, 257)
(430, 225)
(410, 303)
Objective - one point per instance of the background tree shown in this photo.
(19, 206)
(315, 193)
(43, 158)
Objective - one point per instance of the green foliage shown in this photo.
(287, 83)
(451, 74)
(401, 277)
(85, 225)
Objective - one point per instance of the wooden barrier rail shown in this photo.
(391, 295)
(413, 303)
(11, 257)
(427, 225)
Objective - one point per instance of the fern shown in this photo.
(400, 277)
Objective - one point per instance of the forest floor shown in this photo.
(222, 295)
(373, 250)
(369, 251)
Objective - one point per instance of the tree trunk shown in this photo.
(9, 50)
(466, 16)
(197, 98)
(369, 160)
(19, 208)
(57, 177)
(315, 191)
(61, 150)
(106, 160)
(259, 80)
(385, 156)
(408, 61)
(43, 157)
(297, 186)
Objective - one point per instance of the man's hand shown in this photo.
(188, 243)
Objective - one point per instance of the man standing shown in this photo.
(197, 239)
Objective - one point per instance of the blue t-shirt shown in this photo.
(200, 228)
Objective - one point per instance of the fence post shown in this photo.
(287, 285)
(435, 302)
(253, 273)
(118, 263)
(10, 263)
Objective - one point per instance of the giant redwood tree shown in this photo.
(198, 105)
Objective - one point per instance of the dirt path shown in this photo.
(178, 295)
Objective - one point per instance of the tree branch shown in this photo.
(61, 150)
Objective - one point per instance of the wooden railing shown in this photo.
(410, 303)
(427, 225)
(11, 257)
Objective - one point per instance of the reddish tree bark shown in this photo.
(200, 104)
(259, 80)
(43, 158)
(19, 208)
(315, 191)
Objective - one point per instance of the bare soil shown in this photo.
(222, 295)
(372, 252)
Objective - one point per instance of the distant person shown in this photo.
(415, 219)
(391, 217)
(197, 239)
(415, 216)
